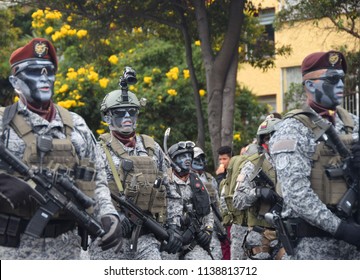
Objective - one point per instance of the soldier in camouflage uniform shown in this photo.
(254, 194)
(301, 152)
(198, 221)
(161, 201)
(22, 124)
(198, 166)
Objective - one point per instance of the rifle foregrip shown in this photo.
(85, 220)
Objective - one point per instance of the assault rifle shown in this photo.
(352, 196)
(53, 192)
(193, 227)
(138, 217)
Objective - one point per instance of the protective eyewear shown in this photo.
(330, 79)
(121, 112)
(186, 144)
(39, 70)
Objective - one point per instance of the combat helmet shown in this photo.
(116, 99)
(268, 126)
(181, 148)
(198, 152)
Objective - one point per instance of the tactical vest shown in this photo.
(61, 158)
(201, 198)
(227, 188)
(139, 182)
(255, 215)
(329, 191)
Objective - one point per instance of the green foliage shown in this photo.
(247, 118)
(294, 97)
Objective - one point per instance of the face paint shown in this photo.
(36, 82)
(184, 161)
(329, 89)
(198, 163)
(124, 119)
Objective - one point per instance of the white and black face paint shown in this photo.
(35, 82)
(329, 89)
(184, 161)
(198, 163)
(124, 119)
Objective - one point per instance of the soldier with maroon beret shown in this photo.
(304, 157)
(70, 147)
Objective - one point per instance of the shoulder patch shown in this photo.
(284, 145)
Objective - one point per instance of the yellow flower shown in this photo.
(147, 80)
(56, 36)
(104, 82)
(81, 71)
(172, 92)
(81, 33)
(173, 74)
(197, 43)
(72, 32)
(202, 92)
(67, 103)
(69, 19)
(49, 30)
(112, 25)
(64, 88)
(38, 14)
(237, 137)
(113, 59)
(100, 131)
(52, 15)
(186, 74)
(133, 88)
(71, 75)
(93, 76)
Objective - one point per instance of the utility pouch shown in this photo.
(10, 229)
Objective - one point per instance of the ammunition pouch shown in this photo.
(12, 226)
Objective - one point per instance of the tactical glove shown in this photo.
(203, 238)
(349, 232)
(126, 225)
(266, 195)
(175, 241)
(355, 161)
(188, 235)
(113, 234)
(16, 191)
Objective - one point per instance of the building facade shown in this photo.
(304, 38)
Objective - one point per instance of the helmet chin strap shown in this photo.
(181, 172)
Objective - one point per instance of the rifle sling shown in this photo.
(113, 169)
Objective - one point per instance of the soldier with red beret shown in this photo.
(305, 155)
(48, 137)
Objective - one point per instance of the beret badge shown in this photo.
(333, 58)
(40, 49)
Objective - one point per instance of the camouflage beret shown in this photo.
(36, 49)
(323, 60)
